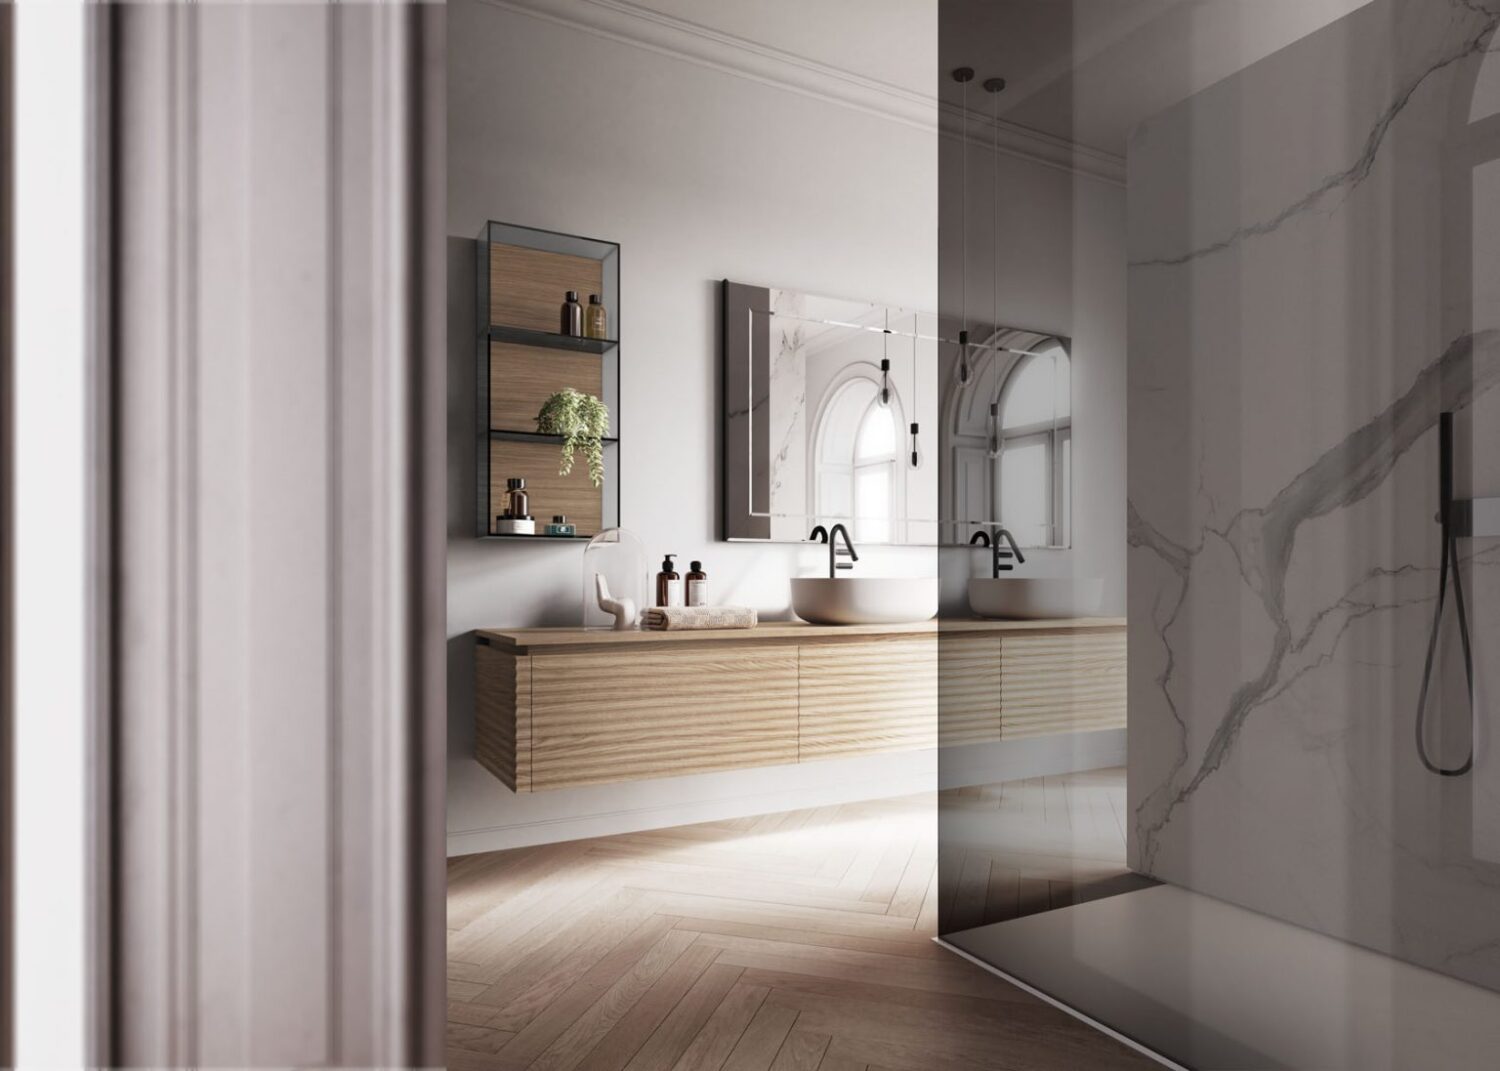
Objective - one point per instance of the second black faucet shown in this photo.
(830, 536)
(997, 565)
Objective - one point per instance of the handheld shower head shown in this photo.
(1448, 562)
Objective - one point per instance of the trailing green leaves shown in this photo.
(583, 422)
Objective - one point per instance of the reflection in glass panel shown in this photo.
(877, 434)
(872, 502)
(857, 444)
(1065, 474)
(1486, 99)
(1025, 491)
(1028, 395)
(1020, 387)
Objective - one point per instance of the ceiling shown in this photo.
(1089, 71)
(890, 41)
(1086, 71)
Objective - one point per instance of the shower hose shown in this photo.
(1449, 562)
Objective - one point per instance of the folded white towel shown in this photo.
(671, 618)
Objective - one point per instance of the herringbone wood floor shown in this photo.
(785, 942)
(1033, 845)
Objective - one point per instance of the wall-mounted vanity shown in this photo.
(559, 708)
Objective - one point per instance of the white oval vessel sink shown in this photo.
(1035, 598)
(864, 600)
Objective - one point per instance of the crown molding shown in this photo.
(681, 39)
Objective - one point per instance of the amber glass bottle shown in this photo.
(595, 319)
(697, 585)
(572, 316)
(668, 584)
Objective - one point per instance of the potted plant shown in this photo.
(583, 421)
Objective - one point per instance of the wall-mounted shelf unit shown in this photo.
(523, 275)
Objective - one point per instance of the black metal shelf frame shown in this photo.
(608, 350)
(524, 336)
(508, 435)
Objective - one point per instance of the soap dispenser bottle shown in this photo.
(697, 585)
(668, 584)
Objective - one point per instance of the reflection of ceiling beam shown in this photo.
(1089, 39)
(1168, 51)
(1033, 145)
(1097, 40)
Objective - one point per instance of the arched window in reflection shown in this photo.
(1485, 99)
(858, 449)
(1033, 446)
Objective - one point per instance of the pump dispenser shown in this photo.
(668, 584)
(696, 585)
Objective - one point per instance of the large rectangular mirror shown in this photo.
(846, 411)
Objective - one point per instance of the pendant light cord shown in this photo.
(995, 217)
(963, 75)
(963, 217)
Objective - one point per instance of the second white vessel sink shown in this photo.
(864, 600)
(1035, 598)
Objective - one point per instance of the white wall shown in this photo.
(54, 443)
(701, 173)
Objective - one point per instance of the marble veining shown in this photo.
(1261, 540)
(1339, 185)
(788, 414)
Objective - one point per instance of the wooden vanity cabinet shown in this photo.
(560, 708)
(968, 690)
(633, 715)
(868, 697)
(1062, 682)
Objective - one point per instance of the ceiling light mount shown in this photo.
(994, 85)
(963, 74)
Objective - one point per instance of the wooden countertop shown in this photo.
(526, 639)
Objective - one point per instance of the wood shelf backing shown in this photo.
(527, 286)
(524, 377)
(573, 495)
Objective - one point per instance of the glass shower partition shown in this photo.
(1290, 286)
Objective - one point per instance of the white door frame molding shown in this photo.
(274, 663)
(7, 540)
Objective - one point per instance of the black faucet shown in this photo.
(830, 536)
(983, 539)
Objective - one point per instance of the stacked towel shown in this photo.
(671, 618)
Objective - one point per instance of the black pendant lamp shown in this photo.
(963, 76)
(994, 86)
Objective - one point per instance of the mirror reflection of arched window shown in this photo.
(1485, 99)
(858, 450)
(1033, 447)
